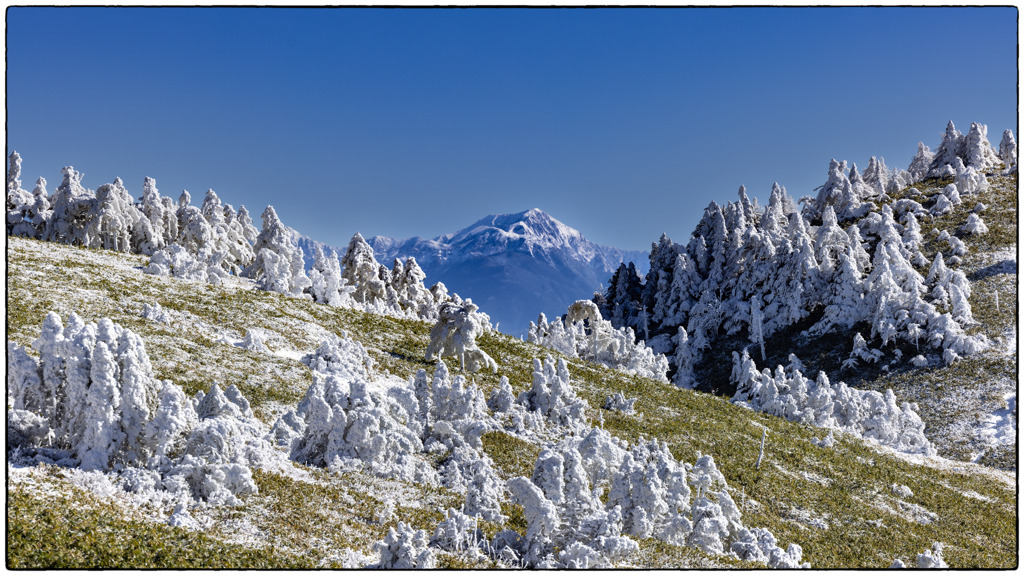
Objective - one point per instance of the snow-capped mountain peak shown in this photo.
(514, 266)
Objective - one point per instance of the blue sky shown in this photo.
(623, 123)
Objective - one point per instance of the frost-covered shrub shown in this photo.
(956, 246)
(932, 558)
(585, 334)
(620, 403)
(453, 412)
(455, 334)
(650, 487)
(341, 356)
(344, 424)
(178, 262)
(969, 180)
(470, 471)
(974, 225)
(861, 351)
(254, 341)
(458, 533)
(648, 496)
(91, 401)
(93, 384)
(156, 313)
(563, 512)
(221, 447)
(760, 545)
(864, 413)
(551, 394)
(406, 549)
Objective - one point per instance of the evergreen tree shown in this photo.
(921, 162)
(1008, 150)
(362, 271)
(278, 265)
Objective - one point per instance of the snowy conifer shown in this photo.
(1008, 150)
(684, 361)
(278, 265)
(952, 146)
(112, 219)
(876, 176)
(71, 205)
(978, 152)
(326, 284)
(362, 271)
(921, 162)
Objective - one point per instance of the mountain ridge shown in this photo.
(515, 265)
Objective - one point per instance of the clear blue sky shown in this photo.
(623, 123)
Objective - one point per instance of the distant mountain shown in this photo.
(514, 266)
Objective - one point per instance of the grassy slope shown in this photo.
(799, 490)
(975, 386)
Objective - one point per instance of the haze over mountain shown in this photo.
(514, 266)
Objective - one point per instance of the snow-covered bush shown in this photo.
(456, 413)
(455, 334)
(341, 356)
(91, 401)
(345, 424)
(406, 549)
(864, 413)
(585, 334)
(156, 313)
(968, 180)
(178, 262)
(932, 558)
(974, 225)
(93, 384)
(470, 471)
(620, 403)
(254, 341)
(459, 533)
(551, 394)
(648, 497)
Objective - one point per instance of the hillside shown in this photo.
(851, 505)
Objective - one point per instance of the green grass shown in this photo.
(73, 529)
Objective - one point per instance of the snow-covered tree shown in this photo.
(1008, 150)
(362, 271)
(978, 152)
(877, 176)
(112, 219)
(326, 284)
(921, 162)
(278, 266)
(72, 207)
